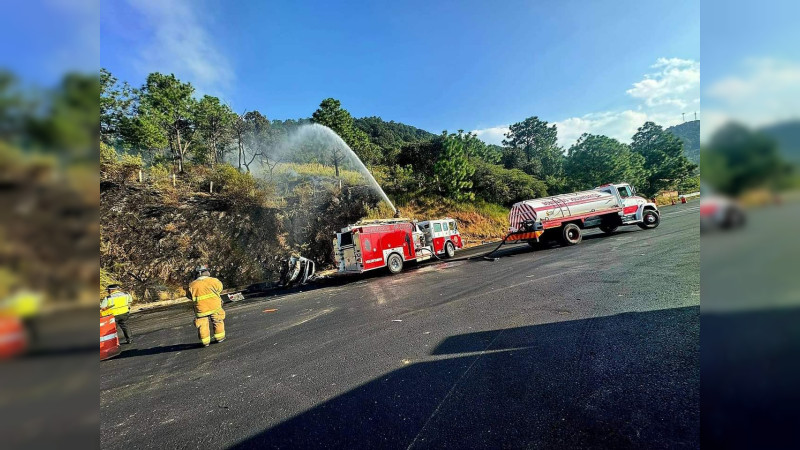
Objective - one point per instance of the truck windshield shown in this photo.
(345, 239)
(623, 191)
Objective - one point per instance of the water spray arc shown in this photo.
(324, 135)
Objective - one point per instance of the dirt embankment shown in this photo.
(152, 238)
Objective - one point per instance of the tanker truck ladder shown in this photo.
(562, 206)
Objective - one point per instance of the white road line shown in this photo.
(681, 212)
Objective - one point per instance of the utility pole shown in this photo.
(695, 115)
(683, 117)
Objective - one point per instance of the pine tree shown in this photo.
(453, 170)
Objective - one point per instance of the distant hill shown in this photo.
(689, 133)
(787, 134)
(391, 135)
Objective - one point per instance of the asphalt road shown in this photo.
(595, 345)
(750, 359)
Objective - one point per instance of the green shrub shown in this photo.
(400, 181)
(160, 176)
(108, 156)
(119, 167)
(129, 166)
(506, 186)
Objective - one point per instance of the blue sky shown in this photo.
(453, 65)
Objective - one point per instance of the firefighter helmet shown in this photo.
(202, 268)
(113, 286)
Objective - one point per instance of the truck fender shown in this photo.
(389, 251)
(644, 207)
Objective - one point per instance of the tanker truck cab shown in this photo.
(634, 208)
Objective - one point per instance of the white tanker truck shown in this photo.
(564, 216)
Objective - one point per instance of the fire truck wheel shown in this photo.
(449, 250)
(395, 263)
(650, 219)
(608, 228)
(571, 234)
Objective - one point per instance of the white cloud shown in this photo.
(179, 43)
(618, 125)
(763, 92)
(493, 135)
(676, 83)
(674, 88)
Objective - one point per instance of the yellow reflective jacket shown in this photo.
(24, 304)
(115, 304)
(205, 292)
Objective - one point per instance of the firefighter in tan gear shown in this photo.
(205, 292)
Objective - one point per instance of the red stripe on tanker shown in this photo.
(609, 203)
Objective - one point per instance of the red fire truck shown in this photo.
(442, 236)
(389, 243)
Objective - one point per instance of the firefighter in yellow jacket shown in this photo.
(205, 292)
(117, 304)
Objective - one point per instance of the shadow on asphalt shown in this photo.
(751, 363)
(628, 380)
(513, 249)
(156, 350)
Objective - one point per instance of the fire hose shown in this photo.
(525, 227)
(486, 255)
(471, 258)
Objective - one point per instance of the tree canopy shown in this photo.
(165, 120)
(595, 160)
(453, 169)
(533, 144)
(665, 163)
(737, 159)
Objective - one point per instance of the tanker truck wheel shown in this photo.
(449, 249)
(650, 219)
(571, 234)
(395, 263)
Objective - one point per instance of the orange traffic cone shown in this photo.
(13, 339)
(109, 342)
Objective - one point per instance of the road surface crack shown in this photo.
(453, 388)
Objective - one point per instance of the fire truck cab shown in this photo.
(389, 243)
(442, 236)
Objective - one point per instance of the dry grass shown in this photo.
(478, 221)
(758, 197)
(293, 170)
